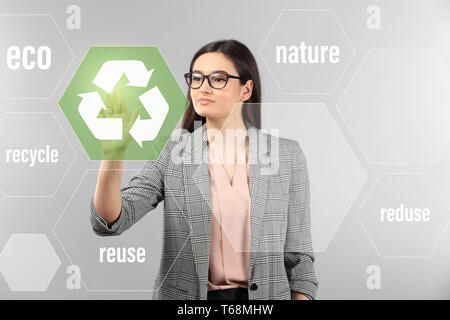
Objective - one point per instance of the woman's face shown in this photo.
(217, 103)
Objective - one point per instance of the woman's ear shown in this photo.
(246, 90)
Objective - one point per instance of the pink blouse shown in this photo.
(230, 224)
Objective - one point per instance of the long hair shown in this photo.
(246, 67)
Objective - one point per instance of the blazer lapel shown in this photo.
(198, 201)
(198, 198)
(258, 189)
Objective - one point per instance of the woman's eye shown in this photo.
(219, 79)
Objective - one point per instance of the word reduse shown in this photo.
(307, 54)
(32, 156)
(404, 214)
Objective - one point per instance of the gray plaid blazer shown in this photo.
(281, 257)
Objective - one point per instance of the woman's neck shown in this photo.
(233, 132)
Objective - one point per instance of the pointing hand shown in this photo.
(116, 107)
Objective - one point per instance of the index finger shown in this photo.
(108, 104)
(123, 104)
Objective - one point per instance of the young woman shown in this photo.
(247, 226)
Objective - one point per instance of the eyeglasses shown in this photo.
(216, 80)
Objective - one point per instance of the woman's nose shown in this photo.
(205, 87)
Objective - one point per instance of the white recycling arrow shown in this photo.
(157, 108)
(112, 70)
(101, 128)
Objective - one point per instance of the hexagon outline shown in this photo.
(444, 230)
(70, 259)
(343, 71)
(51, 247)
(65, 41)
(338, 105)
(68, 167)
(349, 147)
(357, 160)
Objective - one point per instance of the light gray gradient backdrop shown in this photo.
(388, 113)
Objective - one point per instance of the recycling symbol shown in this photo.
(138, 69)
(152, 100)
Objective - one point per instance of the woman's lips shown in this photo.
(205, 101)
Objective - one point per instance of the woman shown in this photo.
(247, 227)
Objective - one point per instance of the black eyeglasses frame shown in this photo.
(229, 76)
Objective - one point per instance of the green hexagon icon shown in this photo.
(123, 103)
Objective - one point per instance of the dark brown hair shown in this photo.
(245, 64)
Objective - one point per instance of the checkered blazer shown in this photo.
(281, 254)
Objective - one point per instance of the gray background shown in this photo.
(347, 250)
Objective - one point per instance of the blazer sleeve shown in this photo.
(140, 195)
(298, 251)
